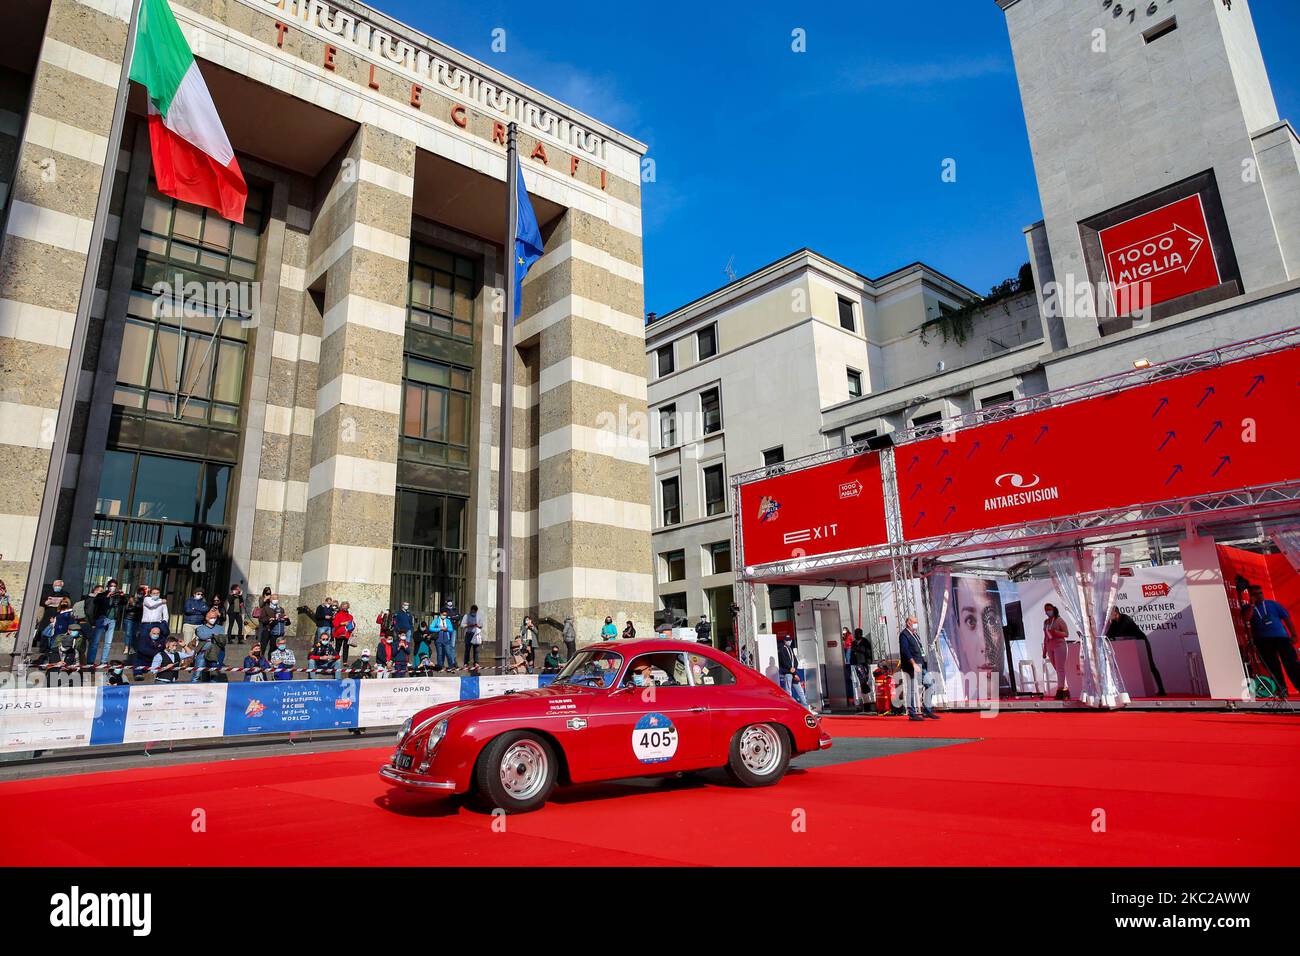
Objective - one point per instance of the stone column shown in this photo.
(593, 518)
(43, 256)
(359, 255)
(276, 454)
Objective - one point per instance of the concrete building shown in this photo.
(328, 427)
(1129, 155)
(750, 375)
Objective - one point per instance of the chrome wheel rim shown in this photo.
(524, 768)
(760, 749)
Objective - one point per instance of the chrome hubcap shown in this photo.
(760, 749)
(524, 769)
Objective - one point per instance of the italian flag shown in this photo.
(192, 158)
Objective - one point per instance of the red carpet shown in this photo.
(1175, 789)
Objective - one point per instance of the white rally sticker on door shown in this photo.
(654, 739)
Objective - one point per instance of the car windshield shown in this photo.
(591, 668)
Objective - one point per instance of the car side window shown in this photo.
(660, 669)
(710, 673)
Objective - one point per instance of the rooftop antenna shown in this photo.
(730, 269)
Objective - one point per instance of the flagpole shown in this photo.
(38, 566)
(506, 463)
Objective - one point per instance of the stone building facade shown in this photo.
(320, 416)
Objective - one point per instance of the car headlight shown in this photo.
(406, 729)
(435, 735)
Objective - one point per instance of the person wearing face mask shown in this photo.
(607, 630)
(282, 660)
(116, 673)
(166, 664)
(148, 644)
(50, 598)
(401, 655)
(272, 620)
(404, 622)
(344, 625)
(1055, 634)
(570, 635)
(445, 642)
(787, 662)
(256, 666)
(155, 612)
(384, 656)
(210, 657)
(193, 614)
(553, 661)
(642, 676)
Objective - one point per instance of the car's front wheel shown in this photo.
(760, 754)
(515, 772)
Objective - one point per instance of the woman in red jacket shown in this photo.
(344, 625)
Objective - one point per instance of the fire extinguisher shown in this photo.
(884, 689)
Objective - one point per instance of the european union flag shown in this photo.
(528, 237)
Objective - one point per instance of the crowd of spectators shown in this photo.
(78, 636)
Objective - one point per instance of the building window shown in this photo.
(158, 488)
(711, 410)
(193, 236)
(184, 348)
(674, 565)
(706, 342)
(436, 411)
(855, 383)
(864, 436)
(675, 605)
(774, 456)
(443, 289)
(715, 490)
(719, 556)
(671, 493)
(995, 407)
(430, 550)
(664, 360)
(668, 426)
(931, 424)
(846, 315)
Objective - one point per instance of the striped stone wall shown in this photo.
(585, 302)
(47, 237)
(359, 250)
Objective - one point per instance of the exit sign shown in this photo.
(1160, 255)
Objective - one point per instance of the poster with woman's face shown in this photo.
(970, 615)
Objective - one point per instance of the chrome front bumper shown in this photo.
(410, 780)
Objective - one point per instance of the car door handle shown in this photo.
(698, 710)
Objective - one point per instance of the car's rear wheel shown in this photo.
(515, 772)
(760, 754)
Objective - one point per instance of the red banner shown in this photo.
(1165, 253)
(1228, 427)
(838, 506)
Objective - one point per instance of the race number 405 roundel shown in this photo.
(654, 739)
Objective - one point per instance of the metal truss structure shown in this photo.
(1224, 355)
(907, 560)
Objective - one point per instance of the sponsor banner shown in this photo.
(825, 509)
(173, 712)
(46, 718)
(484, 687)
(1157, 600)
(1160, 255)
(385, 702)
(276, 707)
(1217, 430)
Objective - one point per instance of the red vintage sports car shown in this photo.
(618, 709)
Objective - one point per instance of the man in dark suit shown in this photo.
(912, 662)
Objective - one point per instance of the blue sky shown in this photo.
(759, 150)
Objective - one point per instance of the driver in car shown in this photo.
(642, 675)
